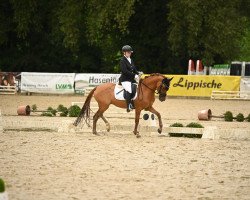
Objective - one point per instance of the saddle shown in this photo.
(120, 93)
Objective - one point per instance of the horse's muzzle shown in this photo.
(162, 97)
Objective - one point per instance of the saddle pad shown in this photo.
(119, 91)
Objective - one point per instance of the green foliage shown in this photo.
(34, 107)
(47, 114)
(60, 108)
(195, 26)
(86, 36)
(63, 110)
(2, 186)
(194, 125)
(176, 125)
(248, 118)
(240, 117)
(228, 116)
(53, 111)
(74, 111)
(191, 125)
(245, 46)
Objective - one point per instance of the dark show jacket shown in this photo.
(128, 71)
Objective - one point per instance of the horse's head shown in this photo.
(163, 87)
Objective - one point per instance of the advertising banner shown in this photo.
(89, 80)
(245, 85)
(190, 85)
(53, 83)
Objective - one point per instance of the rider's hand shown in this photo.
(137, 78)
(140, 73)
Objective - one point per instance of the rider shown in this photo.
(128, 75)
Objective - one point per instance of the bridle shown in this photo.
(155, 91)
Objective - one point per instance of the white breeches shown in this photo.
(127, 86)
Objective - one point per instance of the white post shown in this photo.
(199, 67)
(191, 69)
(243, 67)
(149, 121)
(4, 196)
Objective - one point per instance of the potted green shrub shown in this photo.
(176, 134)
(3, 193)
(228, 116)
(194, 125)
(248, 118)
(74, 111)
(185, 132)
(240, 117)
(63, 110)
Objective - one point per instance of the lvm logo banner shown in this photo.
(53, 83)
(193, 85)
(64, 86)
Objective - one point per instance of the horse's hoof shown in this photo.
(97, 134)
(108, 127)
(138, 135)
(135, 132)
(159, 131)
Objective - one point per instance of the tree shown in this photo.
(207, 30)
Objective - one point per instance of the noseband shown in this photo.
(163, 84)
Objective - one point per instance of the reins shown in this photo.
(140, 89)
(148, 87)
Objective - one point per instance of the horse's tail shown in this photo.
(85, 112)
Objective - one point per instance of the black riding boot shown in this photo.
(129, 102)
(129, 105)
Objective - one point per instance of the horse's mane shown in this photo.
(151, 75)
(154, 74)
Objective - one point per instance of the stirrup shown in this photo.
(130, 107)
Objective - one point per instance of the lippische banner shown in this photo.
(54, 83)
(192, 85)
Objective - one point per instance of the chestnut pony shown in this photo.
(104, 95)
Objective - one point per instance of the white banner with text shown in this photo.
(90, 80)
(53, 83)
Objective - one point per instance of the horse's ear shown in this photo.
(170, 79)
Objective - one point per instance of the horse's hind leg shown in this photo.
(97, 115)
(95, 118)
(106, 122)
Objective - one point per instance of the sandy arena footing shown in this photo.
(41, 159)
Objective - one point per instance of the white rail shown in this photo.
(233, 95)
(7, 89)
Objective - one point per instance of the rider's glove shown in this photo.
(140, 73)
(137, 78)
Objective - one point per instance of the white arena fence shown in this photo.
(83, 83)
(232, 95)
(7, 89)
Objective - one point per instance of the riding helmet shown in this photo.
(127, 48)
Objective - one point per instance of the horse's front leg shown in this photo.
(152, 110)
(137, 118)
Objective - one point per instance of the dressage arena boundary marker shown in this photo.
(66, 126)
(1, 122)
(7, 89)
(230, 95)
